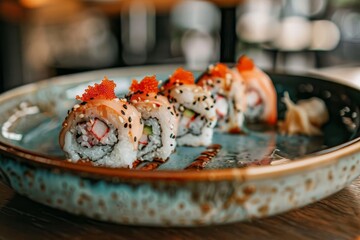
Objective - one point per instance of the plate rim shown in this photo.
(309, 162)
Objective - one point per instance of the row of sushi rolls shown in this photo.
(155, 116)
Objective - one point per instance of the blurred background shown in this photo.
(45, 38)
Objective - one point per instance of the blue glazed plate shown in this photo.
(256, 174)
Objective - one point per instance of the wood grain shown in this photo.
(337, 217)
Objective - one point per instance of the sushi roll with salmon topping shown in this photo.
(227, 86)
(195, 107)
(102, 128)
(261, 99)
(157, 141)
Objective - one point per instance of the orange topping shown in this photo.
(182, 76)
(245, 64)
(104, 90)
(219, 70)
(147, 85)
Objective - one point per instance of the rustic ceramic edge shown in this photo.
(175, 203)
(174, 198)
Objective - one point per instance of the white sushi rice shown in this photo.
(200, 130)
(163, 121)
(148, 152)
(113, 150)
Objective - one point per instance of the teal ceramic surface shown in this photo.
(252, 175)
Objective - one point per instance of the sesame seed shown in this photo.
(171, 145)
(134, 139)
(168, 108)
(147, 100)
(76, 106)
(181, 91)
(181, 108)
(134, 101)
(207, 109)
(122, 112)
(194, 102)
(154, 105)
(177, 90)
(125, 125)
(172, 113)
(121, 119)
(81, 116)
(83, 103)
(125, 106)
(141, 122)
(129, 119)
(130, 125)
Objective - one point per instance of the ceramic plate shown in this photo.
(253, 175)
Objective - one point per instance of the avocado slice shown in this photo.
(188, 113)
(147, 130)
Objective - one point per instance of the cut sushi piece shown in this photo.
(261, 99)
(102, 128)
(195, 107)
(157, 141)
(228, 88)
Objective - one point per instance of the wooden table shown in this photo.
(337, 217)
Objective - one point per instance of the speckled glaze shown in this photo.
(223, 192)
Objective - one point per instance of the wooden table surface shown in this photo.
(337, 217)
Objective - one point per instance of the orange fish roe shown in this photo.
(149, 84)
(181, 76)
(245, 64)
(104, 90)
(219, 70)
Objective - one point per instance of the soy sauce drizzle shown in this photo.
(201, 161)
(136, 163)
(150, 166)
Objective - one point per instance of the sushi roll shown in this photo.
(261, 99)
(157, 141)
(227, 86)
(102, 128)
(195, 108)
